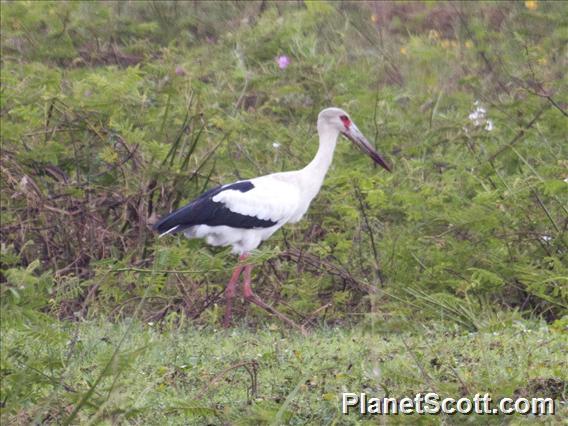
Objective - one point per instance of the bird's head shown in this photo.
(336, 119)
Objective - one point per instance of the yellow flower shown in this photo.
(531, 4)
(468, 44)
(403, 51)
(375, 18)
(445, 43)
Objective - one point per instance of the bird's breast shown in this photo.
(300, 211)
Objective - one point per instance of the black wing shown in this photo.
(205, 211)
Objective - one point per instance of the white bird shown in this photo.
(247, 212)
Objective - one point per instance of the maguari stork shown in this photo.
(245, 213)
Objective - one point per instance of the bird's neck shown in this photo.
(314, 173)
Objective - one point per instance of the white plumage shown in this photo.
(272, 198)
(245, 213)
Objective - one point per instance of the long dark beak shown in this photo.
(355, 136)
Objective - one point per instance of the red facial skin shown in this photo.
(346, 121)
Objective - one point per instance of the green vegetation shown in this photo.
(449, 274)
(245, 378)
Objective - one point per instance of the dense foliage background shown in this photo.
(115, 113)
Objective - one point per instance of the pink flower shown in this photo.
(180, 71)
(283, 62)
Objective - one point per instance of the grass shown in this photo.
(136, 373)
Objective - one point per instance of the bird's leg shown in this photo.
(230, 293)
(253, 298)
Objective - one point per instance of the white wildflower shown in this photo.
(479, 117)
(275, 145)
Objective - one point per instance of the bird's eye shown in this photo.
(345, 120)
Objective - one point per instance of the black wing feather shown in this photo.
(205, 211)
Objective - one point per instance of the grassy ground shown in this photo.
(96, 372)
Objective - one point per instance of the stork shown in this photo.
(245, 213)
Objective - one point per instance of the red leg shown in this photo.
(253, 298)
(231, 291)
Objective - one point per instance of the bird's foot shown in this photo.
(230, 293)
